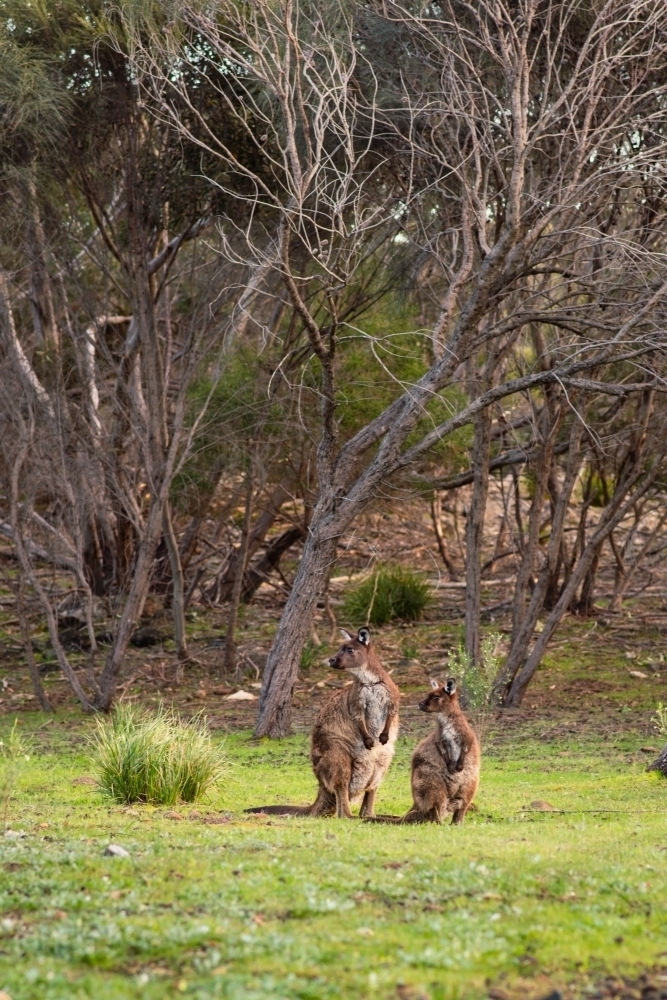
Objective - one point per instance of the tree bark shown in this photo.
(235, 597)
(178, 591)
(38, 687)
(281, 671)
(436, 517)
(256, 574)
(475, 536)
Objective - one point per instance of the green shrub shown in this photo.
(158, 758)
(659, 720)
(477, 682)
(391, 592)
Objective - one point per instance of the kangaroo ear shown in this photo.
(450, 686)
(346, 634)
(435, 684)
(364, 635)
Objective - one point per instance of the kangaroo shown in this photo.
(353, 737)
(445, 765)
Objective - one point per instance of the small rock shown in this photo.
(241, 696)
(539, 805)
(221, 690)
(194, 814)
(115, 851)
(648, 749)
(14, 834)
(498, 994)
(638, 673)
(201, 693)
(172, 815)
(85, 780)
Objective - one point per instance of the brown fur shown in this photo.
(445, 765)
(353, 737)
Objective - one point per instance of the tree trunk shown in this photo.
(178, 599)
(235, 597)
(256, 574)
(38, 687)
(281, 671)
(624, 579)
(475, 536)
(436, 517)
(612, 515)
(134, 605)
(544, 463)
(522, 637)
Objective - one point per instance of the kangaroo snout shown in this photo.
(422, 705)
(333, 662)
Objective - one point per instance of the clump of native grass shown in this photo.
(392, 592)
(477, 682)
(156, 758)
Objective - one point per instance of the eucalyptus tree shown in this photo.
(518, 151)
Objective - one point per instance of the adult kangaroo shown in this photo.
(353, 737)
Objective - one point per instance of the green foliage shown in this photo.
(409, 649)
(309, 655)
(157, 759)
(659, 720)
(391, 592)
(477, 682)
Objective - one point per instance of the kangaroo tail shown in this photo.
(324, 805)
(281, 810)
(383, 819)
(413, 816)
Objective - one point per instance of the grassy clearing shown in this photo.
(250, 908)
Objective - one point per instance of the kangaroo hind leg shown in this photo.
(367, 810)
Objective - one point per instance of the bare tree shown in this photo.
(502, 148)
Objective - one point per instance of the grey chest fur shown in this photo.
(374, 699)
(450, 738)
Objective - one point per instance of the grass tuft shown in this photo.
(155, 758)
(390, 593)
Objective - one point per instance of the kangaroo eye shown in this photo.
(348, 649)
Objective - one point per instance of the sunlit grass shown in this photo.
(254, 907)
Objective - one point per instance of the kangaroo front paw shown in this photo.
(369, 742)
(384, 738)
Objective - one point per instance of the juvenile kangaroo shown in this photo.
(445, 765)
(353, 737)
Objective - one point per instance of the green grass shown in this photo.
(256, 908)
